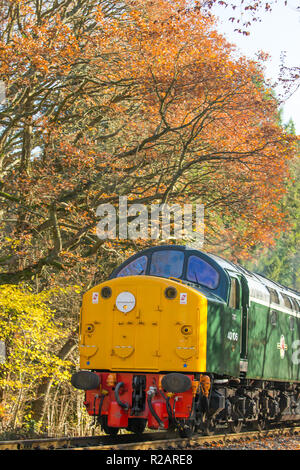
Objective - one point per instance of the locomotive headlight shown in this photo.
(106, 292)
(170, 292)
(125, 302)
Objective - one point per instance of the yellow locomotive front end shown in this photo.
(143, 324)
(164, 344)
(142, 339)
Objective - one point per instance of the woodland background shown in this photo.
(132, 98)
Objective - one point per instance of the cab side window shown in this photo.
(201, 272)
(274, 298)
(296, 305)
(287, 301)
(135, 268)
(234, 299)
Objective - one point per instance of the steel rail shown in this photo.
(195, 441)
(158, 440)
(53, 443)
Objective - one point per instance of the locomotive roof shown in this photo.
(226, 266)
(257, 276)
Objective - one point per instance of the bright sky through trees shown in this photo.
(277, 32)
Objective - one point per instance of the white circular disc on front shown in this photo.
(125, 302)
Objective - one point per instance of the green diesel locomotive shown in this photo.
(187, 339)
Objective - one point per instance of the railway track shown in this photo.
(98, 442)
(148, 441)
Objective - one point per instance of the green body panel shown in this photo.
(265, 343)
(223, 339)
(271, 346)
(242, 341)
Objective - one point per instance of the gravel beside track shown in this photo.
(268, 443)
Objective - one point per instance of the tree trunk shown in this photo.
(40, 404)
(27, 136)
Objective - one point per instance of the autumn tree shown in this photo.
(32, 336)
(281, 262)
(148, 103)
(144, 100)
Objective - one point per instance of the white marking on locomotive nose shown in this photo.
(183, 298)
(125, 302)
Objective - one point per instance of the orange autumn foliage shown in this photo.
(146, 101)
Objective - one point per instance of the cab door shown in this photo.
(232, 327)
(245, 318)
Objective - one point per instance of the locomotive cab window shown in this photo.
(167, 263)
(234, 298)
(201, 272)
(136, 267)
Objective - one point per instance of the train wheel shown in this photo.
(235, 426)
(208, 427)
(260, 425)
(136, 425)
(111, 431)
(186, 428)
